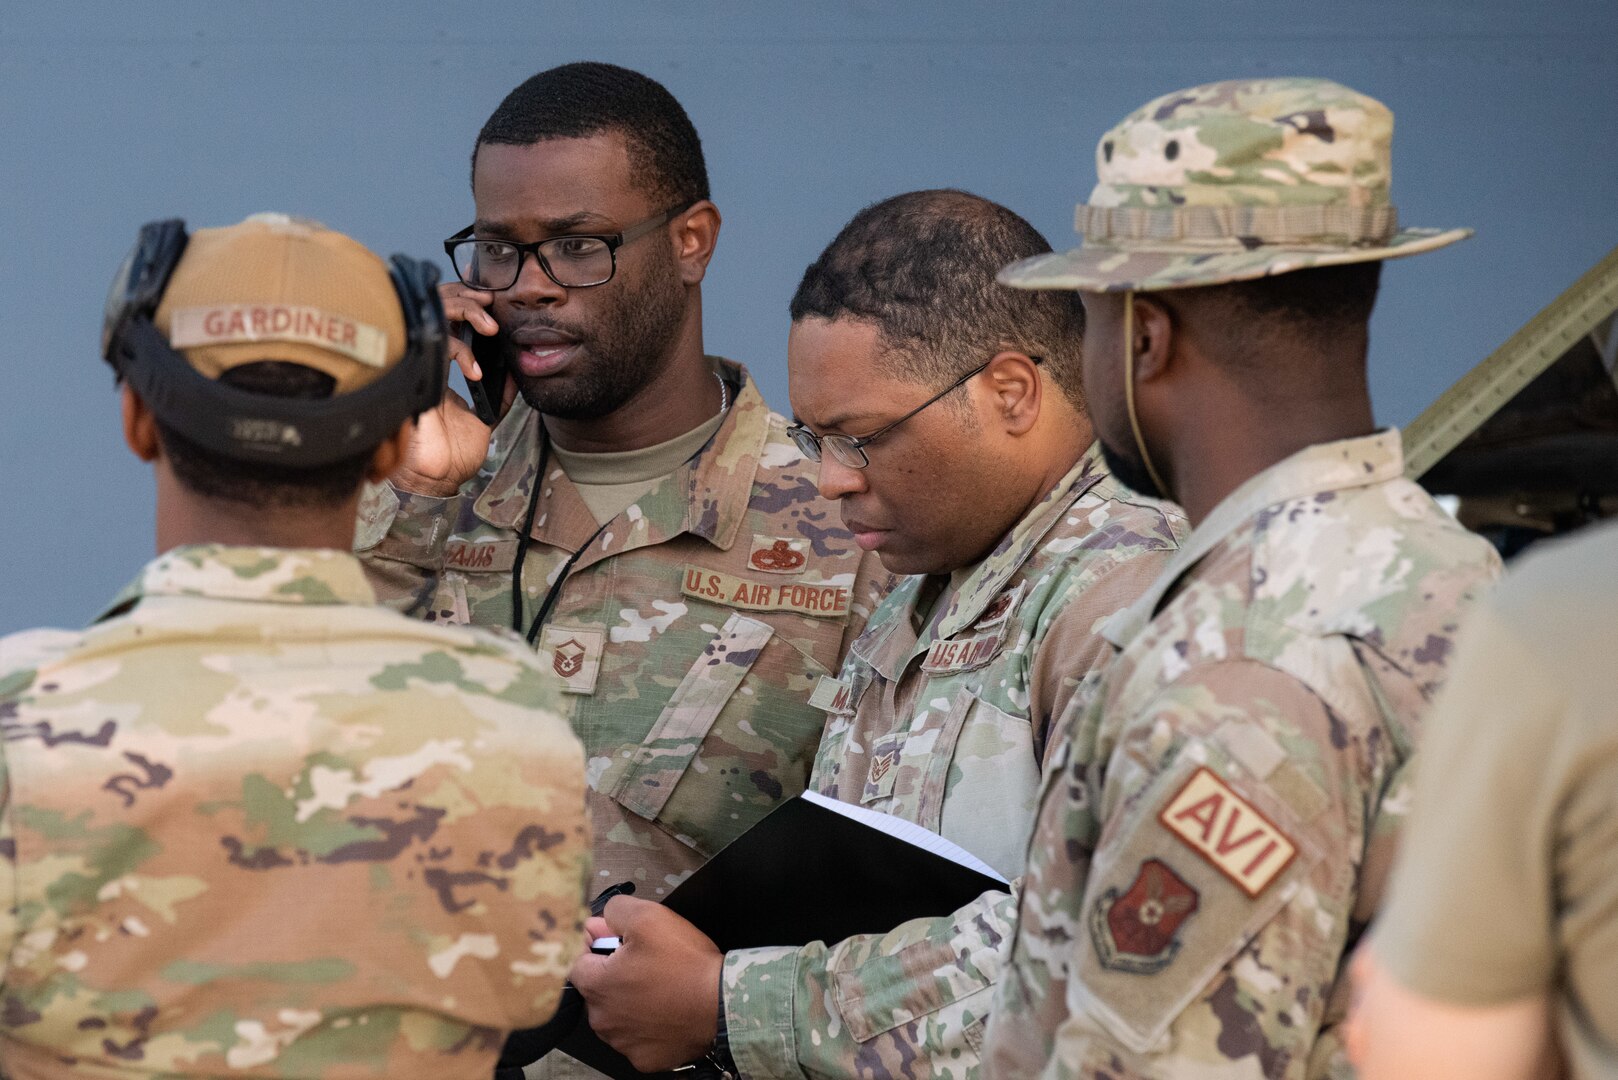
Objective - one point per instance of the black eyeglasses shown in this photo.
(850, 450)
(575, 261)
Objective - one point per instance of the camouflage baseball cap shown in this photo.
(1232, 181)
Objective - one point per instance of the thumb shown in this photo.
(624, 913)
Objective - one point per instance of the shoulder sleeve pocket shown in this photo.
(1198, 864)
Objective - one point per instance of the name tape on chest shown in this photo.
(1228, 831)
(826, 601)
(832, 695)
(466, 555)
(961, 655)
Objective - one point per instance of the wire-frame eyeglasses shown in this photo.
(850, 449)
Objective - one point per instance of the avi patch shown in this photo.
(1138, 930)
(778, 554)
(1228, 831)
(574, 656)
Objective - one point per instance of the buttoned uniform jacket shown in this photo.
(1217, 822)
(254, 824)
(685, 636)
(939, 717)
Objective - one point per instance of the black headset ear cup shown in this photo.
(426, 330)
(140, 282)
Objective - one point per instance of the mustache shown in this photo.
(509, 329)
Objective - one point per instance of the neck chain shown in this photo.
(724, 394)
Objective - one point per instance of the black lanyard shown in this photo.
(526, 538)
(567, 567)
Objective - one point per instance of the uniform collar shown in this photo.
(889, 643)
(988, 578)
(255, 574)
(1314, 470)
(707, 496)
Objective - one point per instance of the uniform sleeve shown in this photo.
(8, 871)
(871, 1005)
(1472, 916)
(1073, 654)
(1207, 926)
(400, 539)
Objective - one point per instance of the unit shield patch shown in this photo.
(1137, 931)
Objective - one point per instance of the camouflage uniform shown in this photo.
(1215, 824)
(255, 825)
(686, 639)
(946, 727)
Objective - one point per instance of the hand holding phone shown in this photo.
(473, 323)
(489, 392)
(449, 443)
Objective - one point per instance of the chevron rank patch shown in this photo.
(575, 657)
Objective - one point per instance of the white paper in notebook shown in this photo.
(908, 831)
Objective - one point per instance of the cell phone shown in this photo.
(489, 392)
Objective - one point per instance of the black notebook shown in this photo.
(815, 869)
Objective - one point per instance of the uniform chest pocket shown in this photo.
(908, 773)
(658, 764)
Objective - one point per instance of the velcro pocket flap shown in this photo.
(662, 758)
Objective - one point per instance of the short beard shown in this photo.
(1129, 471)
(624, 352)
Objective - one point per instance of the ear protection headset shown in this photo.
(260, 427)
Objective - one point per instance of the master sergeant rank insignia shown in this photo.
(575, 657)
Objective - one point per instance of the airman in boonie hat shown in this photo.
(1232, 181)
(1231, 794)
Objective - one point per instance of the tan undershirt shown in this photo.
(1507, 885)
(610, 483)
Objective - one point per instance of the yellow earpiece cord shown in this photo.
(1129, 393)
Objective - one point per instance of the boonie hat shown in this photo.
(277, 287)
(1233, 181)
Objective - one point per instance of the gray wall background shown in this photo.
(362, 115)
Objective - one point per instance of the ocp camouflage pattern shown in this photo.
(256, 825)
(688, 635)
(945, 726)
(1216, 823)
(1234, 180)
